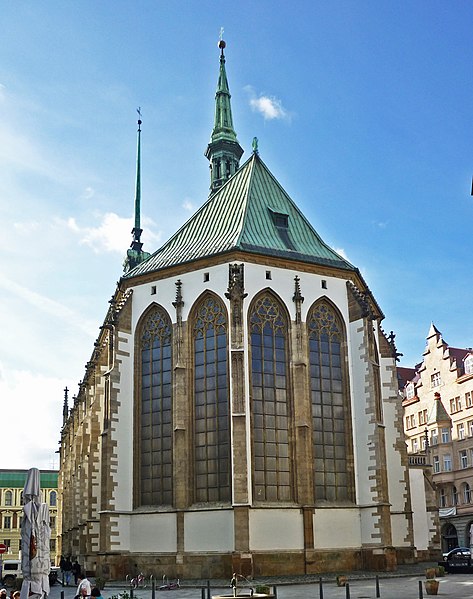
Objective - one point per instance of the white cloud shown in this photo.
(37, 423)
(269, 106)
(341, 252)
(48, 306)
(188, 205)
(113, 234)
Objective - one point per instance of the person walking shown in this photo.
(84, 587)
(67, 569)
(76, 571)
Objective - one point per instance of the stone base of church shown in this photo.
(205, 566)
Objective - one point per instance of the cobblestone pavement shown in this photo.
(402, 584)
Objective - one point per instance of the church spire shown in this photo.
(135, 254)
(224, 151)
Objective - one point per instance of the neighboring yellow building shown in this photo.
(12, 483)
(438, 422)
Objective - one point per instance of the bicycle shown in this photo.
(137, 582)
(169, 585)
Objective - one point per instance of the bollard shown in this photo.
(62, 594)
(202, 593)
(347, 590)
(321, 589)
(153, 589)
(275, 592)
(378, 594)
(208, 589)
(421, 594)
(131, 592)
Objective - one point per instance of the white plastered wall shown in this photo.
(276, 529)
(209, 531)
(422, 520)
(335, 528)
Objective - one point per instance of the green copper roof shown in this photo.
(15, 479)
(250, 213)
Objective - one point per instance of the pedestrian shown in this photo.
(75, 571)
(3, 593)
(67, 569)
(84, 588)
(97, 593)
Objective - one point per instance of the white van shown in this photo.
(11, 570)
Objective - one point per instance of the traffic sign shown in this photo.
(3, 548)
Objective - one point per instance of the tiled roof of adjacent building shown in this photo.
(252, 213)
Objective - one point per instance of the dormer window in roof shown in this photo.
(410, 391)
(468, 362)
(281, 222)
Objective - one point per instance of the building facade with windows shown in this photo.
(240, 410)
(12, 483)
(438, 421)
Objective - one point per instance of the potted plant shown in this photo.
(430, 573)
(431, 586)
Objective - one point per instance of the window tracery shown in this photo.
(156, 410)
(332, 444)
(211, 403)
(270, 402)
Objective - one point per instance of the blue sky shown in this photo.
(363, 111)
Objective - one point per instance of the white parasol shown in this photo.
(35, 535)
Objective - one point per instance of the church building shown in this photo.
(240, 410)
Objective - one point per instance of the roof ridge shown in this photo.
(252, 158)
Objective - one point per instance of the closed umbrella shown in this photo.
(35, 536)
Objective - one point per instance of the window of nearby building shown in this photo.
(442, 498)
(422, 442)
(434, 437)
(52, 522)
(468, 400)
(410, 390)
(463, 459)
(212, 414)
(422, 416)
(7, 542)
(53, 499)
(333, 474)
(461, 430)
(8, 498)
(466, 493)
(445, 435)
(455, 405)
(6, 521)
(415, 445)
(454, 495)
(469, 425)
(270, 401)
(435, 380)
(436, 463)
(155, 420)
(469, 364)
(52, 545)
(447, 462)
(410, 421)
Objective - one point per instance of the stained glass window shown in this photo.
(331, 427)
(270, 402)
(211, 403)
(156, 410)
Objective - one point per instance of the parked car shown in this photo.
(457, 560)
(12, 570)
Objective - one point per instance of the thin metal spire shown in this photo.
(137, 230)
(135, 255)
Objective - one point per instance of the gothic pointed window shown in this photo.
(211, 403)
(270, 401)
(155, 406)
(331, 422)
